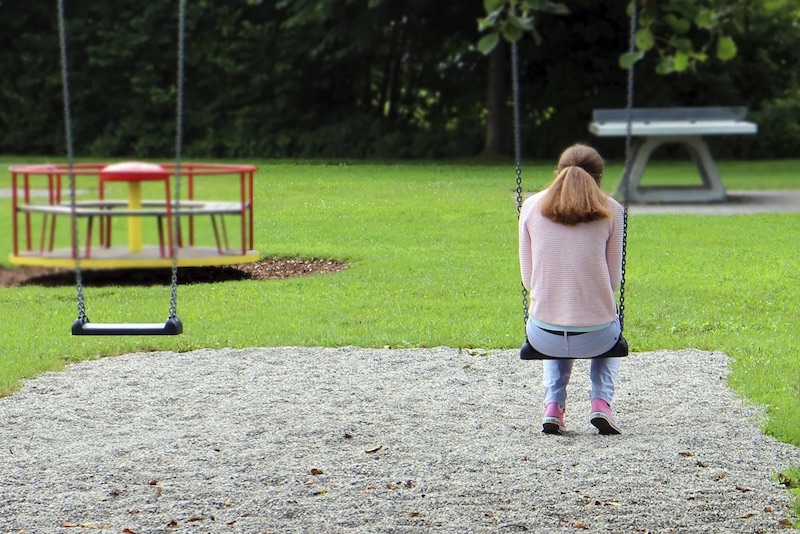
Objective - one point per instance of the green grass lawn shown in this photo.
(432, 257)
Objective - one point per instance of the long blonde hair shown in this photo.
(575, 196)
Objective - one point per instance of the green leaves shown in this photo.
(628, 60)
(666, 65)
(681, 32)
(488, 42)
(678, 24)
(515, 26)
(645, 40)
(511, 20)
(726, 48)
(704, 19)
(493, 5)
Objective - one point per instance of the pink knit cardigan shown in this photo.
(571, 272)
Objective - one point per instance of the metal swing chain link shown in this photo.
(173, 299)
(628, 164)
(62, 36)
(518, 151)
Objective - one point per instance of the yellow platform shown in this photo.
(121, 258)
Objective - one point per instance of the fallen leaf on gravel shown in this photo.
(128, 531)
(372, 451)
(68, 524)
(391, 485)
(747, 515)
(320, 492)
(686, 454)
(194, 518)
(153, 482)
(785, 481)
(701, 464)
(768, 509)
(742, 489)
(410, 484)
(413, 514)
(172, 524)
(580, 524)
(314, 471)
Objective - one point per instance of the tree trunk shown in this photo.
(496, 95)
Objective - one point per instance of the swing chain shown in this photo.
(71, 160)
(173, 299)
(518, 152)
(62, 36)
(628, 158)
(628, 164)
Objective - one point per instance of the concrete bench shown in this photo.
(654, 127)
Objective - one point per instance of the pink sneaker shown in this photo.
(553, 421)
(602, 417)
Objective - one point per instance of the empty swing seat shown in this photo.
(171, 327)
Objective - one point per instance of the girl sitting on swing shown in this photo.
(570, 254)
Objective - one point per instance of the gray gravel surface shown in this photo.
(363, 440)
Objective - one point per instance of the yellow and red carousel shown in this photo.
(53, 228)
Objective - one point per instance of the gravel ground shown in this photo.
(362, 440)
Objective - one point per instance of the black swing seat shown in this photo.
(171, 327)
(527, 352)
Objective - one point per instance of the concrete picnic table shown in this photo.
(654, 127)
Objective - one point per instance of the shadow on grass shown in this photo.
(267, 269)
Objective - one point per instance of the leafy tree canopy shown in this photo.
(682, 33)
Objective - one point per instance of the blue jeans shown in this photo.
(602, 371)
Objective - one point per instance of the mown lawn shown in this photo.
(432, 257)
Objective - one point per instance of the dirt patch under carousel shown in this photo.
(266, 269)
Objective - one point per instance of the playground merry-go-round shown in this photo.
(70, 216)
